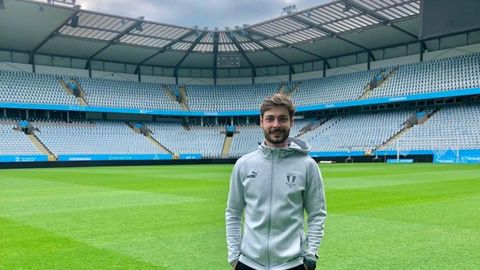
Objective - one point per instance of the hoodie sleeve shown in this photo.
(315, 206)
(233, 214)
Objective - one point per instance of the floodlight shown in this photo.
(289, 10)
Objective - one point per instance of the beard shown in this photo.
(276, 136)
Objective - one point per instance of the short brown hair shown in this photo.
(277, 100)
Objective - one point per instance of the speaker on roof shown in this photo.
(230, 60)
(74, 22)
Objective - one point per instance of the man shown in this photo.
(274, 185)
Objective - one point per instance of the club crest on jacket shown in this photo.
(291, 177)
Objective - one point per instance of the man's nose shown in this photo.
(276, 123)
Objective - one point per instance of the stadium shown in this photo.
(118, 135)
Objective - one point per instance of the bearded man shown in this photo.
(271, 188)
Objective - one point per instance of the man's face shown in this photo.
(276, 124)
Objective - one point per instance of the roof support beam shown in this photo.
(331, 33)
(32, 62)
(281, 58)
(215, 56)
(307, 52)
(378, 17)
(281, 41)
(52, 34)
(116, 39)
(423, 49)
(240, 49)
(165, 48)
(325, 64)
(290, 72)
(368, 61)
(89, 66)
(187, 53)
(249, 34)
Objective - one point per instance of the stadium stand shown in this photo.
(126, 94)
(181, 139)
(453, 127)
(246, 140)
(357, 132)
(23, 87)
(432, 76)
(101, 137)
(332, 89)
(14, 142)
(228, 97)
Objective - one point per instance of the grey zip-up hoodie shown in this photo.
(274, 186)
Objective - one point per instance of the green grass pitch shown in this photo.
(416, 216)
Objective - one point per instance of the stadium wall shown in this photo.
(452, 52)
(15, 67)
(411, 59)
(158, 79)
(326, 159)
(307, 75)
(346, 69)
(71, 72)
(234, 81)
(57, 164)
(197, 81)
(114, 76)
(127, 117)
(271, 79)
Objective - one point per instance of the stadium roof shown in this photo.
(337, 28)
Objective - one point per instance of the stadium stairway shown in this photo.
(391, 140)
(170, 93)
(368, 88)
(65, 86)
(159, 145)
(311, 127)
(183, 98)
(186, 126)
(304, 130)
(329, 124)
(282, 88)
(145, 131)
(227, 144)
(292, 90)
(40, 146)
(406, 127)
(80, 96)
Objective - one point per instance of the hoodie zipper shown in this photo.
(270, 209)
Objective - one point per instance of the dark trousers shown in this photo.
(241, 266)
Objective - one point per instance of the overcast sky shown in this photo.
(206, 13)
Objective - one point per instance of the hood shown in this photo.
(294, 145)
